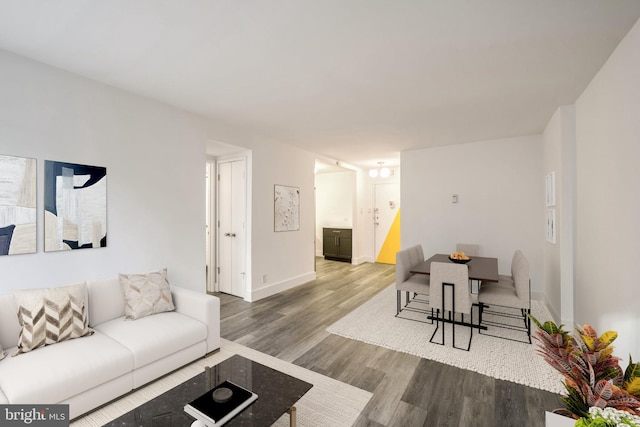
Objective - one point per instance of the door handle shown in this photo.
(232, 234)
(227, 234)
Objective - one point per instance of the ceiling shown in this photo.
(352, 80)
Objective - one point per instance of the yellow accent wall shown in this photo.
(391, 243)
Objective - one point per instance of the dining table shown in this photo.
(480, 268)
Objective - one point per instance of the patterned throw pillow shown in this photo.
(49, 316)
(146, 294)
(2, 353)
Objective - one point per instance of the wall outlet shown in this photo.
(264, 278)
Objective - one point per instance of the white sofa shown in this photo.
(120, 356)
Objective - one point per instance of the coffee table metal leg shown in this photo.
(292, 416)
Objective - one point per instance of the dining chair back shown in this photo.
(468, 248)
(450, 295)
(415, 286)
(510, 292)
(405, 260)
(457, 275)
(521, 280)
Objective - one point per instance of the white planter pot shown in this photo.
(556, 420)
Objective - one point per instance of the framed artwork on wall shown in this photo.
(17, 205)
(551, 226)
(550, 186)
(75, 215)
(286, 208)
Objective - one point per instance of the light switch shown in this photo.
(454, 198)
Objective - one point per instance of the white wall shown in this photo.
(155, 158)
(558, 259)
(335, 199)
(286, 258)
(608, 198)
(500, 189)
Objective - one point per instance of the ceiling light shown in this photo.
(380, 171)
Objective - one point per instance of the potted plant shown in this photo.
(608, 417)
(592, 375)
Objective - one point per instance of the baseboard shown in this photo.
(554, 314)
(361, 260)
(272, 289)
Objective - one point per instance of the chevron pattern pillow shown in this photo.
(49, 316)
(146, 294)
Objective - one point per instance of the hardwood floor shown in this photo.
(407, 390)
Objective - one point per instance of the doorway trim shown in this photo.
(241, 154)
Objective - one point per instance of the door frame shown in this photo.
(215, 228)
(211, 238)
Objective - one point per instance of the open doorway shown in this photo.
(335, 196)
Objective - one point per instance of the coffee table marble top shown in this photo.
(277, 393)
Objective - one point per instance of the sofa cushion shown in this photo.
(9, 325)
(146, 294)
(154, 337)
(56, 372)
(49, 316)
(105, 300)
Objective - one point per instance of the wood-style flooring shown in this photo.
(407, 390)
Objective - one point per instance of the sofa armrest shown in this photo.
(202, 307)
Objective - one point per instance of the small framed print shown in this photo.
(550, 186)
(551, 226)
(286, 208)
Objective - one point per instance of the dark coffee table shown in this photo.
(277, 393)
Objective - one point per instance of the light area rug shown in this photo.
(327, 403)
(374, 322)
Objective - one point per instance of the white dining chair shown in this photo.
(513, 295)
(415, 286)
(450, 295)
(468, 248)
(471, 250)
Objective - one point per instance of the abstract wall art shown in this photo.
(75, 215)
(286, 208)
(17, 205)
(551, 226)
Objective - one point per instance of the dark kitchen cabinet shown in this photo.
(337, 244)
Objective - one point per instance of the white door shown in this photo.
(386, 206)
(232, 227)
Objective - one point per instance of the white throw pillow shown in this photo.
(146, 294)
(52, 315)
